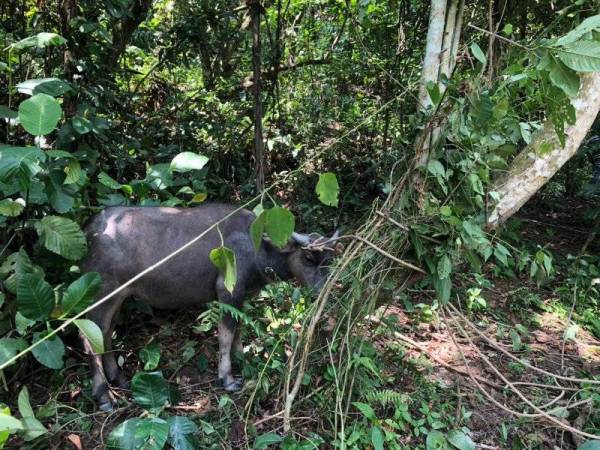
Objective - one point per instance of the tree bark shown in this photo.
(431, 63)
(259, 163)
(544, 156)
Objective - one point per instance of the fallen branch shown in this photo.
(442, 363)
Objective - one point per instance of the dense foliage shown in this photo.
(151, 102)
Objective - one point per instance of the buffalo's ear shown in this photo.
(339, 248)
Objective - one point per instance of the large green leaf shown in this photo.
(478, 53)
(152, 434)
(151, 390)
(60, 195)
(279, 225)
(81, 293)
(460, 440)
(62, 236)
(581, 56)
(21, 163)
(39, 114)
(92, 333)
(377, 438)
(7, 113)
(589, 24)
(8, 422)
(224, 259)
(436, 441)
(159, 176)
(10, 208)
(328, 189)
(74, 172)
(39, 40)
(181, 433)
(264, 440)
(51, 86)
(186, 161)
(35, 297)
(123, 436)
(9, 347)
(32, 427)
(564, 78)
(50, 352)
(150, 356)
(257, 228)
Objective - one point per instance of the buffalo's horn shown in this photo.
(336, 235)
(302, 239)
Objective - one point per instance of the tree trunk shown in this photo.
(259, 163)
(431, 63)
(544, 156)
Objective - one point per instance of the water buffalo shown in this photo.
(125, 240)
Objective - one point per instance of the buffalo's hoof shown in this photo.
(232, 386)
(106, 406)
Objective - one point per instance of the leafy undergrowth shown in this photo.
(405, 397)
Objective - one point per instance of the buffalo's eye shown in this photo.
(310, 258)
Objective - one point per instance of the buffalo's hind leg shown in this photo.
(104, 367)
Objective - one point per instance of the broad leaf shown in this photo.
(377, 438)
(9, 347)
(81, 293)
(564, 78)
(460, 440)
(10, 423)
(589, 24)
(444, 267)
(20, 162)
(35, 297)
(108, 181)
(328, 189)
(151, 434)
(123, 436)
(436, 441)
(366, 410)
(24, 404)
(40, 40)
(224, 259)
(92, 333)
(81, 125)
(186, 161)
(7, 113)
(478, 53)
(62, 236)
(581, 56)
(74, 172)
(60, 195)
(10, 208)
(150, 356)
(181, 433)
(151, 390)
(264, 440)
(279, 225)
(50, 352)
(39, 114)
(51, 86)
(257, 228)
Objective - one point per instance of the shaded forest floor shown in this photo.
(518, 316)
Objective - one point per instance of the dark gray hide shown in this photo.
(126, 240)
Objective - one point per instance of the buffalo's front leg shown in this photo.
(227, 333)
(227, 328)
